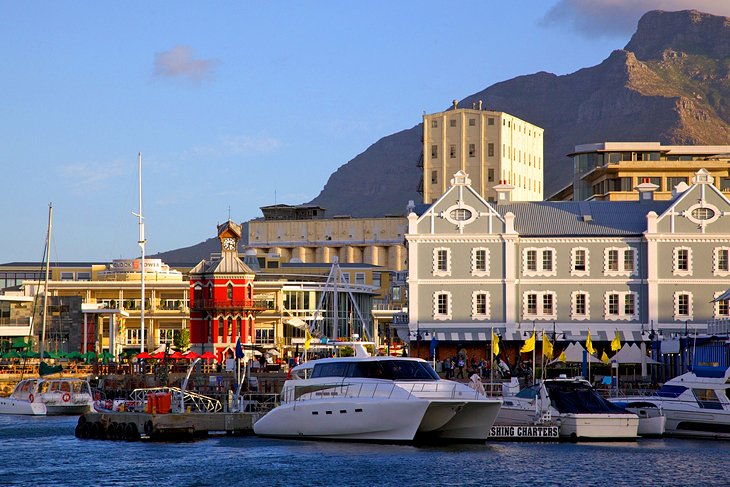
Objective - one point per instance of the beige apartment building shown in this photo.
(490, 146)
(610, 171)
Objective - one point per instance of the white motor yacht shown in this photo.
(377, 399)
(579, 410)
(696, 404)
(48, 396)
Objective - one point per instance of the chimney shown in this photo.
(646, 190)
(456, 104)
(411, 206)
(504, 192)
(480, 104)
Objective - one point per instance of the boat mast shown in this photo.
(141, 243)
(45, 286)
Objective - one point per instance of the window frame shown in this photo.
(540, 268)
(437, 271)
(621, 268)
(475, 271)
(437, 315)
(574, 271)
(678, 295)
(540, 305)
(621, 303)
(716, 270)
(677, 261)
(475, 314)
(574, 315)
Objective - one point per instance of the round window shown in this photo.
(460, 214)
(703, 213)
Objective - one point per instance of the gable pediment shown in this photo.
(702, 208)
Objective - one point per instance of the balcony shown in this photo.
(229, 304)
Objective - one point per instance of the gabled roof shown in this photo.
(581, 218)
(229, 263)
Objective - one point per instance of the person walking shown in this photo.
(447, 368)
(460, 365)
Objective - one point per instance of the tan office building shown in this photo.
(490, 146)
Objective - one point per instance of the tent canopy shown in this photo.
(574, 354)
(631, 354)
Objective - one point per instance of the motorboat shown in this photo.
(574, 405)
(696, 404)
(392, 399)
(39, 396)
(652, 421)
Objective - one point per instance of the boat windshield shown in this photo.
(380, 369)
(529, 392)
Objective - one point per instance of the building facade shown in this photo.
(610, 170)
(490, 146)
(567, 267)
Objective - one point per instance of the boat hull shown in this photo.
(8, 405)
(345, 419)
(599, 426)
(469, 421)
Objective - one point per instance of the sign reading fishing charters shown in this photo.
(524, 432)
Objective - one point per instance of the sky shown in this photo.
(240, 104)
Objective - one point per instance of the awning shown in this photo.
(296, 323)
(723, 297)
(465, 334)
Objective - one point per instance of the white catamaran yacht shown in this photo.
(48, 396)
(695, 404)
(572, 403)
(377, 399)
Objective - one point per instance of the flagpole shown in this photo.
(491, 362)
(533, 352)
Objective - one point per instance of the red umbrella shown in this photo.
(144, 355)
(177, 355)
(190, 355)
(159, 355)
(208, 356)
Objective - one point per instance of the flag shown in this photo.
(495, 344)
(604, 357)
(308, 340)
(562, 356)
(239, 348)
(616, 342)
(529, 345)
(547, 347)
(589, 344)
(434, 344)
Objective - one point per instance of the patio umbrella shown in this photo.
(208, 356)
(89, 356)
(11, 354)
(74, 354)
(177, 355)
(274, 352)
(190, 355)
(106, 356)
(159, 355)
(31, 354)
(143, 355)
(51, 354)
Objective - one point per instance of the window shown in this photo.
(434, 177)
(67, 276)
(703, 213)
(539, 262)
(579, 306)
(490, 121)
(722, 308)
(682, 306)
(434, 152)
(134, 336)
(472, 122)
(376, 279)
(579, 258)
(722, 261)
(441, 262)
(490, 149)
(621, 305)
(359, 278)
(229, 292)
(472, 150)
(220, 330)
(346, 276)
(490, 175)
(619, 261)
(442, 305)
(83, 276)
(673, 182)
(264, 335)
(539, 305)
(434, 124)
(166, 335)
(452, 122)
(479, 261)
(452, 151)
(682, 261)
(480, 305)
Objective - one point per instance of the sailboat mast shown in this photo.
(141, 243)
(45, 286)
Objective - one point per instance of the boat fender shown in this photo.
(31, 398)
(149, 428)
(66, 397)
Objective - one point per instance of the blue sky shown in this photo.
(231, 103)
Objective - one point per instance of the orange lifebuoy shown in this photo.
(31, 398)
(66, 397)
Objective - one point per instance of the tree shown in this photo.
(182, 340)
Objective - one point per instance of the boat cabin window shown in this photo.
(43, 387)
(707, 398)
(530, 392)
(670, 391)
(377, 369)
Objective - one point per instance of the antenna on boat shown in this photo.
(45, 286)
(141, 243)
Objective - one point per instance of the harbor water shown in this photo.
(44, 451)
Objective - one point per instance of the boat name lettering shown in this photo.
(525, 432)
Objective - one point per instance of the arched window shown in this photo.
(239, 327)
(220, 330)
(230, 330)
(229, 288)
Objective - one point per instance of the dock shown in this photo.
(134, 426)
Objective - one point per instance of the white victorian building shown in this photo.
(567, 266)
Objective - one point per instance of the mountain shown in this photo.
(669, 84)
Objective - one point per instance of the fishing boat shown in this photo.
(582, 414)
(396, 399)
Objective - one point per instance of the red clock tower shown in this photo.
(222, 306)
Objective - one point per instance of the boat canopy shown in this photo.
(376, 369)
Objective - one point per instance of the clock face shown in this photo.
(229, 244)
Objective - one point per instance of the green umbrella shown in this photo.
(11, 354)
(74, 354)
(50, 354)
(31, 354)
(62, 354)
(88, 356)
(106, 356)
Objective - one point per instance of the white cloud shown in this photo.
(601, 18)
(236, 144)
(179, 62)
(92, 176)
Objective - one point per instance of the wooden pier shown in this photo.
(133, 426)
